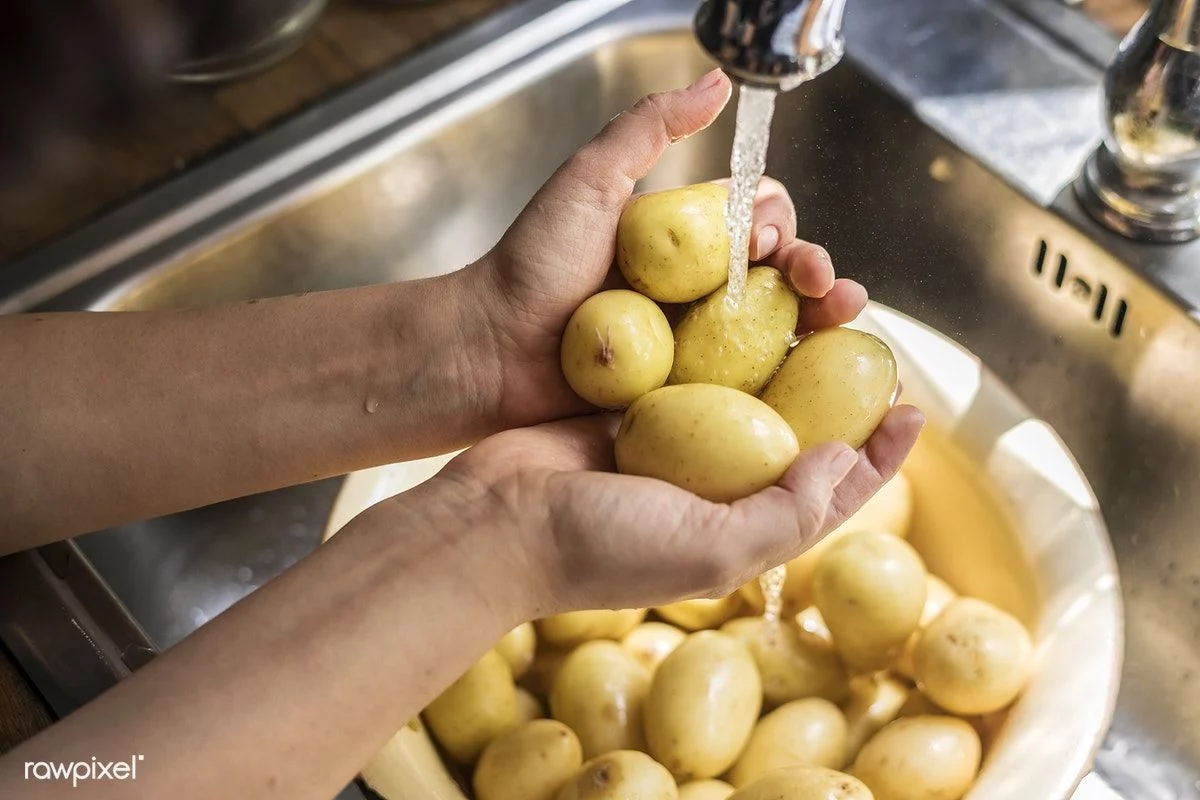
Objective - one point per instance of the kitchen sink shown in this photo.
(934, 164)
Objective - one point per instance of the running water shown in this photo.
(747, 164)
(756, 107)
(771, 582)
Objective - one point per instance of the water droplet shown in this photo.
(244, 574)
(371, 404)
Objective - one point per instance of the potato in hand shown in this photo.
(737, 345)
(617, 346)
(836, 385)
(673, 246)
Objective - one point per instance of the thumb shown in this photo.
(633, 142)
(775, 521)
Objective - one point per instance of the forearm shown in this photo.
(113, 417)
(290, 692)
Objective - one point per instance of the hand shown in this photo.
(563, 533)
(561, 249)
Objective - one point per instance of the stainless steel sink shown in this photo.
(931, 164)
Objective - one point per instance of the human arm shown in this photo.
(114, 417)
(291, 691)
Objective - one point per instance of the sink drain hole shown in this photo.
(1061, 275)
(1119, 318)
(1039, 263)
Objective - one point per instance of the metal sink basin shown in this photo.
(931, 164)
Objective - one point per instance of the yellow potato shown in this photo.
(870, 588)
(474, 709)
(802, 733)
(530, 762)
(920, 758)
(717, 442)
(938, 595)
(973, 659)
(577, 627)
(703, 703)
(804, 783)
(889, 510)
(791, 668)
(701, 613)
(673, 246)
(737, 345)
(621, 775)
(709, 789)
(616, 347)
(539, 679)
(600, 692)
(529, 707)
(875, 700)
(835, 386)
(651, 642)
(517, 648)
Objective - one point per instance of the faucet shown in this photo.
(1143, 181)
(775, 44)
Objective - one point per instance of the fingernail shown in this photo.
(841, 464)
(706, 83)
(768, 240)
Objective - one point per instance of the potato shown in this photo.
(517, 648)
(651, 642)
(802, 733)
(701, 613)
(577, 627)
(600, 692)
(875, 700)
(529, 707)
(791, 668)
(920, 758)
(531, 762)
(673, 246)
(938, 595)
(621, 775)
(703, 703)
(973, 659)
(804, 783)
(539, 679)
(474, 709)
(889, 510)
(870, 588)
(835, 386)
(739, 346)
(717, 442)
(709, 789)
(616, 347)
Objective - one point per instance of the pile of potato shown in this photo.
(724, 402)
(878, 681)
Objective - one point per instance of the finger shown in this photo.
(784, 520)
(806, 265)
(878, 462)
(843, 303)
(774, 218)
(632, 143)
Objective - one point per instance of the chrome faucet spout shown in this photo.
(1144, 180)
(772, 43)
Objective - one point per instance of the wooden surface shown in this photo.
(353, 39)
(189, 123)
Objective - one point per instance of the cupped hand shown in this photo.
(583, 537)
(561, 249)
